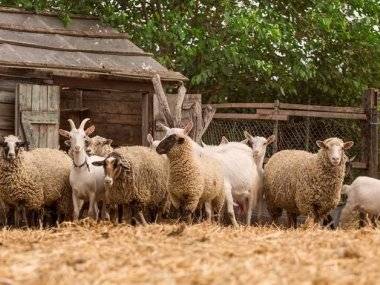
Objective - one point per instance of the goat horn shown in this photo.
(72, 125)
(83, 123)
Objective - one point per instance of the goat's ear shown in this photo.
(64, 133)
(246, 141)
(188, 127)
(352, 158)
(108, 141)
(149, 138)
(125, 165)
(98, 163)
(224, 140)
(271, 139)
(67, 143)
(163, 127)
(89, 130)
(248, 136)
(321, 144)
(348, 145)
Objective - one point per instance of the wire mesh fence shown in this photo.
(296, 133)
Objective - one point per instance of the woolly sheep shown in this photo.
(136, 176)
(304, 183)
(193, 180)
(33, 179)
(362, 195)
(239, 171)
(86, 180)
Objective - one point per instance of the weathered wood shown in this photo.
(372, 138)
(288, 106)
(7, 85)
(7, 123)
(132, 108)
(178, 105)
(144, 118)
(102, 95)
(243, 105)
(208, 113)
(7, 109)
(37, 113)
(300, 113)
(196, 117)
(159, 91)
(7, 97)
(235, 116)
(275, 127)
(120, 134)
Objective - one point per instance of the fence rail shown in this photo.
(298, 126)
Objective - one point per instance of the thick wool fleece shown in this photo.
(37, 178)
(146, 186)
(302, 183)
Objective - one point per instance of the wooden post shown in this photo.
(144, 118)
(208, 113)
(370, 106)
(160, 93)
(275, 128)
(178, 105)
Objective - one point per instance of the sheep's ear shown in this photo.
(108, 141)
(352, 158)
(67, 143)
(163, 127)
(224, 140)
(98, 163)
(64, 133)
(248, 136)
(125, 165)
(203, 144)
(188, 127)
(24, 144)
(181, 140)
(321, 144)
(89, 130)
(271, 139)
(149, 138)
(348, 145)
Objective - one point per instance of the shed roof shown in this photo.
(41, 41)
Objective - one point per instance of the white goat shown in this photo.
(363, 195)
(86, 180)
(239, 170)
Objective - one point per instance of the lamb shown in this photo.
(86, 180)
(193, 180)
(304, 183)
(152, 143)
(31, 180)
(136, 176)
(239, 171)
(362, 195)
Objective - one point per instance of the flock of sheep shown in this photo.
(176, 178)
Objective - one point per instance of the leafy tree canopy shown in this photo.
(317, 51)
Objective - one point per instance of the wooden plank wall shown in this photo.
(7, 107)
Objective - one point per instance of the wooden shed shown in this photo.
(49, 73)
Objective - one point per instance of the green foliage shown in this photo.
(318, 51)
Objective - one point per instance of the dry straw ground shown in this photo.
(199, 254)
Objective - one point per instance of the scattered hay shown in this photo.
(87, 253)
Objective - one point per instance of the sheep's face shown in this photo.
(334, 148)
(11, 146)
(258, 144)
(170, 143)
(113, 166)
(96, 145)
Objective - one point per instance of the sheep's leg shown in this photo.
(92, 213)
(230, 204)
(77, 204)
(17, 216)
(104, 212)
(141, 217)
(208, 209)
(24, 217)
(249, 211)
(292, 220)
(41, 219)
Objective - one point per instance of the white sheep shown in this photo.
(239, 169)
(31, 180)
(86, 180)
(152, 142)
(363, 195)
(305, 183)
(194, 180)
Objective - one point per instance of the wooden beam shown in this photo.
(178, 104)
(235, 116)
(144, 118)
(163, 101)
(207, 115)
(243, 105)
(288, 106)
(300, 113)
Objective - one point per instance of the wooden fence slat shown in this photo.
(288, 106)
(235, 116)
(353, 116)
(243, 105)
(7, 97)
